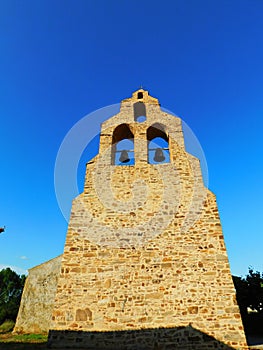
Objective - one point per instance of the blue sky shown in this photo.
(61, 60)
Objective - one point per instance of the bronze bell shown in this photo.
(124, 157)
(159, 156)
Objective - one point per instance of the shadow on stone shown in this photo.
(183, 338)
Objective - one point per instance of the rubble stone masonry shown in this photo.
(144, 248)
(144, 264)
(38, 298)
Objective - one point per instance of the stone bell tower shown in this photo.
(145, 264)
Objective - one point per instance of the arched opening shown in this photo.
(158, 145)
(123, 146)
(139, 111)
(139, 95)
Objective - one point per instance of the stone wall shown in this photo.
(180, 338)
(38, 298)
(144, 248)
(173, 281)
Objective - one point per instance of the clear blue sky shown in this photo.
(60, 60)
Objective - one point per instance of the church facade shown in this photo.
(144, 264)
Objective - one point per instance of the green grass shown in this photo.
(25, 338)
(9, 341)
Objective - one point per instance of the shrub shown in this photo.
(7, 326)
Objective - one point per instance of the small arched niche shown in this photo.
(139, 111)
(140, 95)
(122, 146)
(158, 145)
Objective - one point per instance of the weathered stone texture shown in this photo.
(38, 298)
(180, 338)
(144, 248)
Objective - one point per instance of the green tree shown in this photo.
(255, 290)
(250, 291)
(11, 288)
(241, 286)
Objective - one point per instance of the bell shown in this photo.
(159, 156)
(124, 157)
